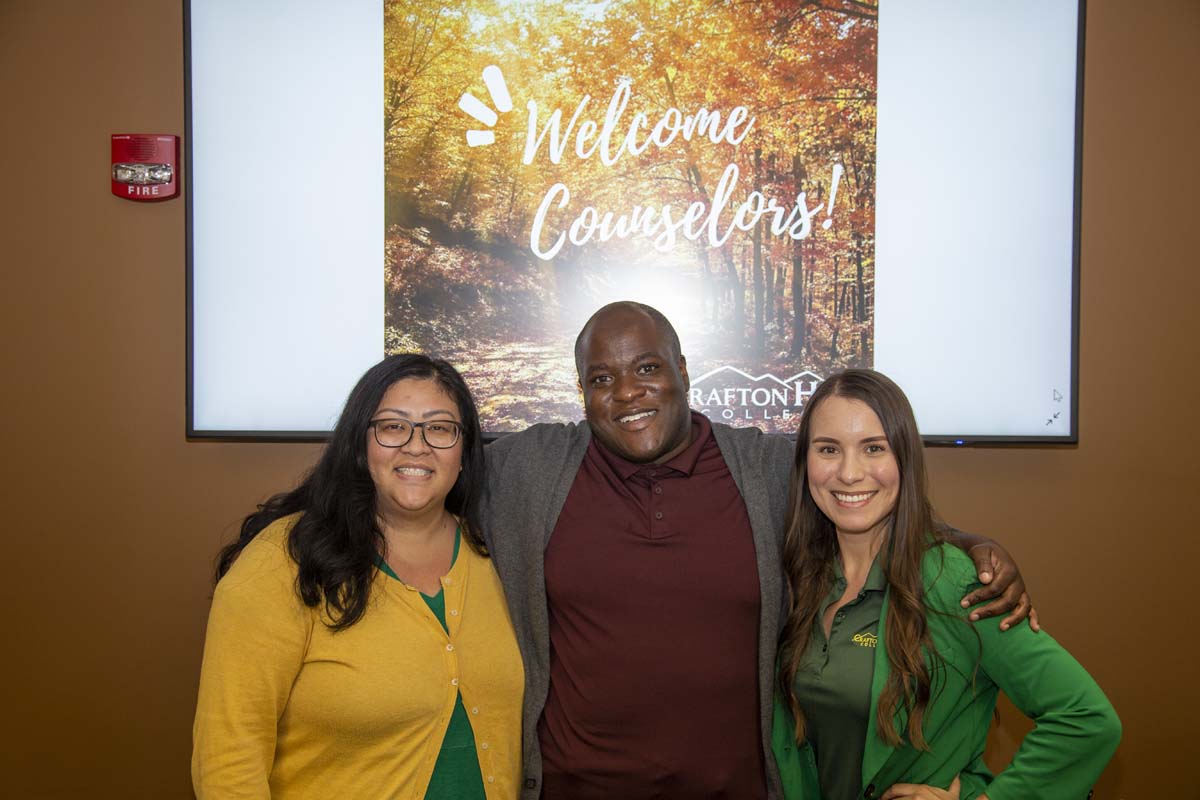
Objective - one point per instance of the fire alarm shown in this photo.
(145, 166)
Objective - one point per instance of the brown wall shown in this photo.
(110, 529)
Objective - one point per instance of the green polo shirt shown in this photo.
(833, 684)
(456, 774)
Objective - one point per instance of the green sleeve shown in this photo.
(797, 769)
(1076, 729)
(974, 779)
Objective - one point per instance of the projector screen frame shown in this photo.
(310, 436)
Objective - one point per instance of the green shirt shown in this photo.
(1075, 730)
(833, 684)
(456, 774)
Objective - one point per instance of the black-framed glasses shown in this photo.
(441, 434)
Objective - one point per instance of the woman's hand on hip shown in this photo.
(919, 791)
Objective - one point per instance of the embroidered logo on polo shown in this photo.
(865, 639)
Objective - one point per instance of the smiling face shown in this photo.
(634, 387)
(853, 475)
(413, 480)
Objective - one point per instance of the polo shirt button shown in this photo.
(450, 648)
(447, 581)
(658, 490)
(454, 681)
(658, 515)
(483, 746)
(475, 710)
(491, 778)
(454, 612)
(530, 783)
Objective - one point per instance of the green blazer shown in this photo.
(1076, 729)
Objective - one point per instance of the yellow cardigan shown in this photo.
(289, 709)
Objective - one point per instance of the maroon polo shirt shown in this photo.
(653, 595)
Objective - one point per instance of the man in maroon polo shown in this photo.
(640, 554)
(654, 602)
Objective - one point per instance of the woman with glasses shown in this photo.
(890, 689)
(359, 644)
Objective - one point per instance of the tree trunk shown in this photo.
(860, 308)
(697, 181)
(799, 311)
(780, 278)
(512, 200)
(760, 316)
(739, 303)
(769, 273)
(459, 195)
(837, 288)
(809, 289)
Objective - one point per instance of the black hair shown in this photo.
(337, 539)
(661, 322)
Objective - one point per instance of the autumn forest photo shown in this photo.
(713, 159)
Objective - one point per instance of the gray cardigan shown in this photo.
(528, 477)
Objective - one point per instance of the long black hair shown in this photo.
(337, 539)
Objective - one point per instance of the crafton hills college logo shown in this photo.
(727, 394)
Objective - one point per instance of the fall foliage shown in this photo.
(462, 277)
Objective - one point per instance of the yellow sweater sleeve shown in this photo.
(258, 631)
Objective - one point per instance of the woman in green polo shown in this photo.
(887, 689)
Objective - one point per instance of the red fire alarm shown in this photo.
(145, 166)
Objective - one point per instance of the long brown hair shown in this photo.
(810, 546)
